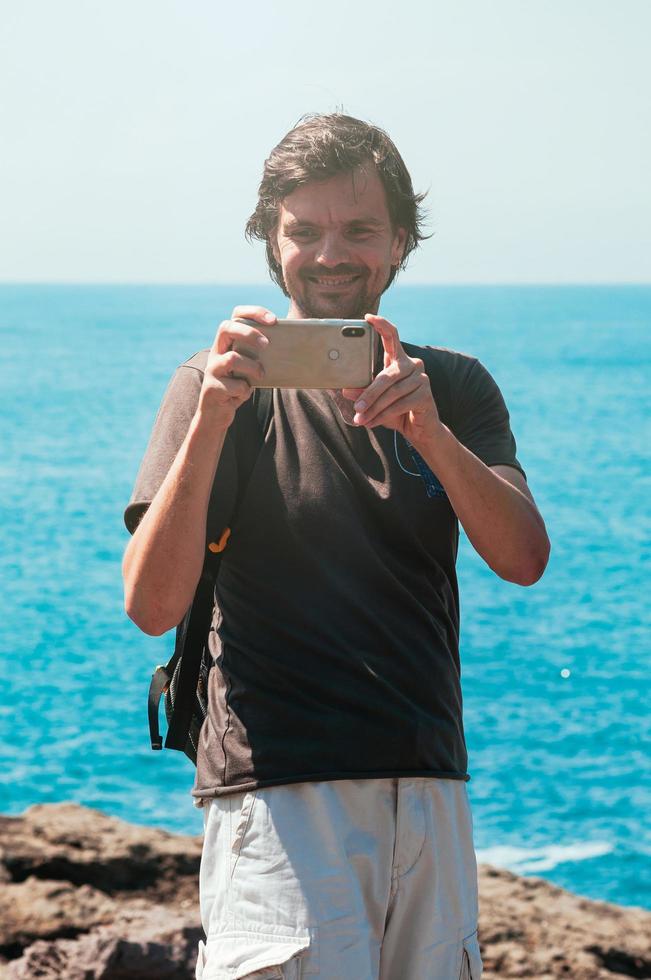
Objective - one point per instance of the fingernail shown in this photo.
(357, 418)
(269, 317)
(360, 405)
(263, 341)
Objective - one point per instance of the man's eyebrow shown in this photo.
(290, 223)
(376, 222)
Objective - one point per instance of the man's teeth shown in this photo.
(333, 280)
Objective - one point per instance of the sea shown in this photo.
(555, 676)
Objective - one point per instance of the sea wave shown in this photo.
(524, 860)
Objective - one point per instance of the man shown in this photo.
(332, 764)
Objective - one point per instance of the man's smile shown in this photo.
(337, 281)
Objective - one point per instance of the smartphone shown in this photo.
(315, 353)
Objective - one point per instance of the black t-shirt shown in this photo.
(336, 626)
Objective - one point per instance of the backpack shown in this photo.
(184, 679)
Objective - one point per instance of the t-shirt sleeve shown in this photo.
(481, 419)
(172, 422)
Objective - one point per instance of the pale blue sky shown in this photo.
(133, 133)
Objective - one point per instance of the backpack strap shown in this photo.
(239, 455)
(246, 438)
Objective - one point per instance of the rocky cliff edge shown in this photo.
(84, 896)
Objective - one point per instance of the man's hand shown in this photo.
(400, 396)
(229, 375)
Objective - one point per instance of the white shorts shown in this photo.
(366, 879)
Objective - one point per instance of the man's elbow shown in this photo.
(531, 569)
(149, 620)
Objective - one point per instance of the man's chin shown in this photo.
(335, 307)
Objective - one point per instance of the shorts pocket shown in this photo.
(471, 964)
(242, 955)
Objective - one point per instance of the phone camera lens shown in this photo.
(353, 332)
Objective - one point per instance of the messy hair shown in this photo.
(322, 146)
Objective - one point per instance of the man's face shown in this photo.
(336, 245)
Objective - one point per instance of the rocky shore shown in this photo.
(84, 896)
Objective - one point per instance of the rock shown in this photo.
(156, 943)
(66, 842)
(35, 909)
(530, 928)
(89, 897)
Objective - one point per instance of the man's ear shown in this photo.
(398, 247)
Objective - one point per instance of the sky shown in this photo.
(133, 133)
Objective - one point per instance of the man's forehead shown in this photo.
(354, 195)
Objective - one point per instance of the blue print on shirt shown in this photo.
(433, 487)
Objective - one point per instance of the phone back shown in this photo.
(316, 354)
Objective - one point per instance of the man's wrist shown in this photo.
(210, 419)
(435, 442)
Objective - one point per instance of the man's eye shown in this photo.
(302, 234)
(360, 232)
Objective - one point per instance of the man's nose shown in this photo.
(332, 251)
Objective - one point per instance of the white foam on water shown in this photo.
(523, 860)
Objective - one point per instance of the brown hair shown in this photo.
(320, 147)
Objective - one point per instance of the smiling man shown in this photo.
(337, 250)
(332, 765)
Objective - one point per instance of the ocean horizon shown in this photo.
(554, 677)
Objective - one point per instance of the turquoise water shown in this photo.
(559, 769)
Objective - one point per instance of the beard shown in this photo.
(349, 303)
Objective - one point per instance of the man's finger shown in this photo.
(259, 313)
(233, 364)
(391, 416)
(388, 377)
(225, 389)
(352, 394)
(388, 334)
(234, 331)
(237, 388)
(389, 398)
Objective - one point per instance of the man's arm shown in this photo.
(494, 507)
(163, 560)
(493, 504)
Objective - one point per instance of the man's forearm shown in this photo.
(503, 525)
(163, 560)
